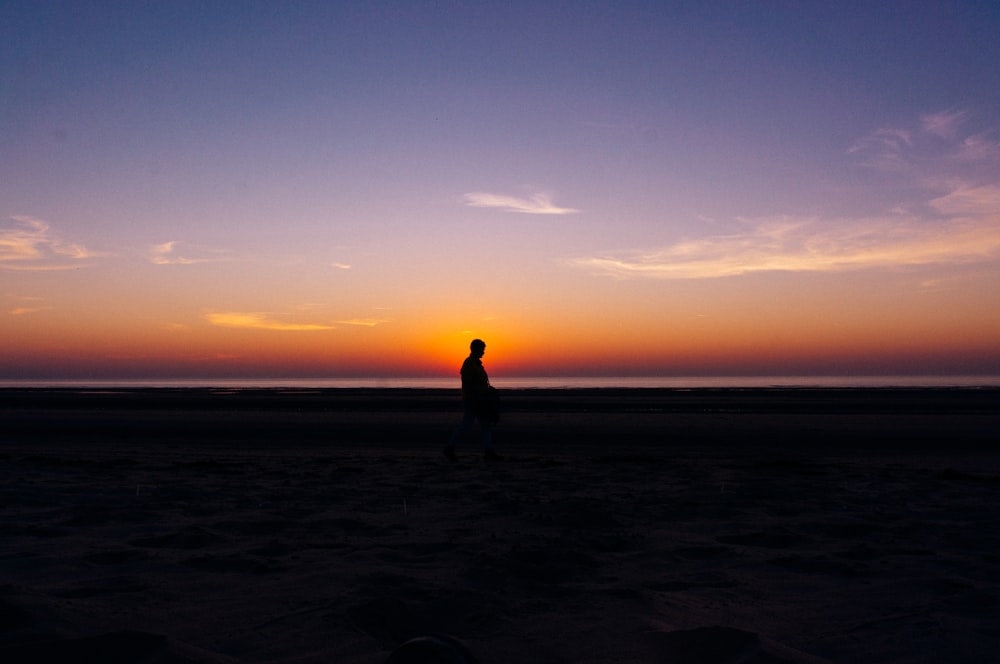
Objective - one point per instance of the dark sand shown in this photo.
(625, 526)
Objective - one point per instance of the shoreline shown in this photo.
(532, 419)
(605, 396)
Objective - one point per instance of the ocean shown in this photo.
(529, 382)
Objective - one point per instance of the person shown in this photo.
(479, 401)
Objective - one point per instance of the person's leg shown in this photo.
(487, 435)
(488, 453)
(467, 418)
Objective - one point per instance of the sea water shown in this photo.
(529, 382)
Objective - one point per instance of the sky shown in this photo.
(337, 189)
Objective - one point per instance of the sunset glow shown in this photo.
(302, 190)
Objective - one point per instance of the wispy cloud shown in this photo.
(944, 123)
(814, 245)
(883, 139)
(166, 253)
(956, 219)
(936, 140)
(537, 204)
(971, 201)
(364, 322)
(27, 304)
(979, 147)
(31, 245)
(21, 311)
(261, 321)
(341, 266)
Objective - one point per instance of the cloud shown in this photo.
(938, 140)
(883, 139)
(364, 322)
(971, 201)
(944, 124)
(978, 147)
(953, 219)
(21, 311)
(813, 245)
(537, 204)
(341, 266)
(164, 254)
(28, 305)
(32, 246)
(260, 321)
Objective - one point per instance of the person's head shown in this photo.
(478, 347)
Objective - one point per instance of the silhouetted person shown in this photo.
(480, 402)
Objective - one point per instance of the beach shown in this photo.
(647, 525)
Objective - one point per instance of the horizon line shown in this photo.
(527, 382)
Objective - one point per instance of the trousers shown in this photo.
(468, 417)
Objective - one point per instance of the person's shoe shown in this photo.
(490, 455)
(450, 453)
